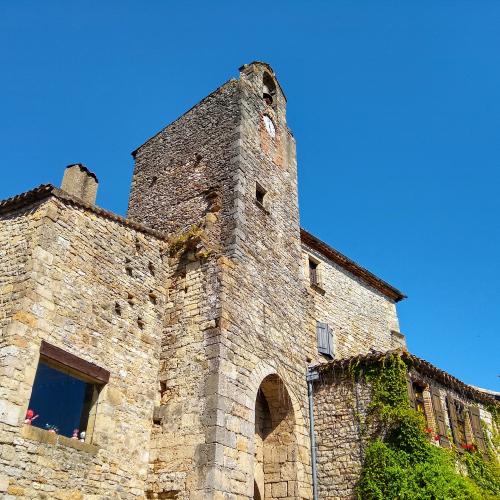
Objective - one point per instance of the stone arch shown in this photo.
(259, 373)
(279, 444)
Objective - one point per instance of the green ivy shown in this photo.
(401, 463)
(485, 473)
(493, 437)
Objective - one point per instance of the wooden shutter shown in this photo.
(453, 420)
(324, 336)
(477, 429)
(330, 342)
(411, 393)
(313, 275)
(439, 417)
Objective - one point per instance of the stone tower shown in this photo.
(237, 338)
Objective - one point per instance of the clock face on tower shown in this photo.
(269, 126)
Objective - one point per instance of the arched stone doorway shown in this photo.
(256, 491)
(275, 466)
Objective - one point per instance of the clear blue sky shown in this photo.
(395, 107)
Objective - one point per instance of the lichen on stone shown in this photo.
(194, 240)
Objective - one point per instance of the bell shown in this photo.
(266, 94)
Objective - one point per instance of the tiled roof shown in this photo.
(421, 365)
(45, 190)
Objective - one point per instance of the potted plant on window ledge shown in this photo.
(52, 428)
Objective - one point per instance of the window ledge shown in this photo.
(262, 207)
(43, 436)
(318, 288)
(398, 335)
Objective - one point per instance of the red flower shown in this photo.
(468, 447)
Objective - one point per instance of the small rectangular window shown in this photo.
(65, 393)
(313, 272)
(260, 194)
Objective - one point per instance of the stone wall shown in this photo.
(184, 178)
(183, 184)
(362, 318)
(182, 444)
(82, 269)
(185, 172)
(265, 330)
(15, 232)
(340, 409)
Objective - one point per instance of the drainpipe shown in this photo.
(311, 376)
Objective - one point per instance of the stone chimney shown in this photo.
(80, 182)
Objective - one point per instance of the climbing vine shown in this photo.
(400, 462)
(493, 435)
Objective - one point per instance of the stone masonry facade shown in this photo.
(66, 271)
(195, 319)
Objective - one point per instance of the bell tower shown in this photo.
(267, 167)
(229, 155)
(266, 295)
(237, 357)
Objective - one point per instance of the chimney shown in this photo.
(80, 182)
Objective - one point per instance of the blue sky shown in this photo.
(395, 107)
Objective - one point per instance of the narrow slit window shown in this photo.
(260, 194)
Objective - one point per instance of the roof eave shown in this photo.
(421, 365)
(46, 190)
(351, 266)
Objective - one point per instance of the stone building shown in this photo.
(178, 339)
